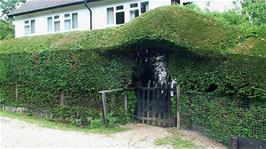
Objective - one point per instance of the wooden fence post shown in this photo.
(177, 107)
(125, 98)
(104, 110)
(16, 90)
(62, 99)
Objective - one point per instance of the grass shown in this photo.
(176, 141)
(57, 125)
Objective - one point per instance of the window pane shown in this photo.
(50, 24)
(134, 14)
(134, 5)
(67, 15)
(67, 24)
(120, 18)
(119, 7)
(110, 15)
(144, 7)
(26, 22)
(57, 26)
(27, 30)
(56, 17)
(74, 20)
(32, 25)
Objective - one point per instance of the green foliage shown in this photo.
(59, 125)
(6, 6)
(213, 89)
(254, 11)
(176, 141)
(221, 119)
(6, 30)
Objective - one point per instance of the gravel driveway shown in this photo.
(15, 133)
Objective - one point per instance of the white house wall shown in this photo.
(99, 20)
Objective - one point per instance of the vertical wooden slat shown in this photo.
(160, 107)
(138, 102)
(177, 106)
(142, 104)
(148, 105)
(169, 106)
(153, 106)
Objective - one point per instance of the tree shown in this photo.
(6, 27)
(6, 30)
(6, 6)
(255, 11)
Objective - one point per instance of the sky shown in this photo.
(215, 5)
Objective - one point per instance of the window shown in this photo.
(74, 20)
(119, 7)
(29, 27)
(120, 15)
(56, 23)
(134, 5)
(144, 7)
(134, 14)
(120, 18)
(32, 25)
(50, 24)
(67, 22)
(117, 15)
(110, 16)
(70, 21)
(134, 11)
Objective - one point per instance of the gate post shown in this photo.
(177, 107)
(105, 121)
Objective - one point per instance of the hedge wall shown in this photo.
(223, 96)
(203, 58)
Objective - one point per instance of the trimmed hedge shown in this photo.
(204, 57)
(222, 96)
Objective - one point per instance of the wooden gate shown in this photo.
(154, 106)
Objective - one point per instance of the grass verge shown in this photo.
(176, 141)
(57, 125)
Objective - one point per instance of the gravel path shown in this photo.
(15, 133)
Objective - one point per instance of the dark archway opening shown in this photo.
(150, 69)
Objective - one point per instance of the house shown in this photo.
(40, 17)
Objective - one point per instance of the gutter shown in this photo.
(86, 4)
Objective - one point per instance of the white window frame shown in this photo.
(28, 24)
(57, 20)
(62, 20)
(108, 24)
(131, 9)
(52, 24)
(148, 6)
(116, 11)
(69, 18)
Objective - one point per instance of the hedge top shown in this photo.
(177, 25)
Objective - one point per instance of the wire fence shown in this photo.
(221, 118)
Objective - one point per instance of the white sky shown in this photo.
(216, 5)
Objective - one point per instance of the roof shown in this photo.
(40, 5)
